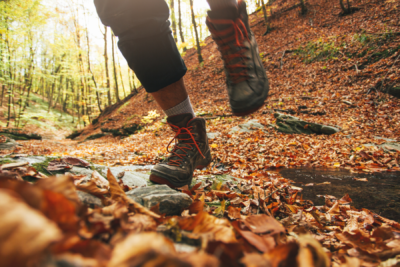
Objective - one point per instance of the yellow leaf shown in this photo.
(214, 145)
(337, 164)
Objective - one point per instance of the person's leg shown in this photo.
(147, 44)
(246, 79)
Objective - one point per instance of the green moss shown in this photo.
(6, 161)
(94, 136)
(42, 167)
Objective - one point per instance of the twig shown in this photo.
(283, 54)
(219, 116)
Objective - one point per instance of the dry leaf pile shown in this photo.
(259, 221)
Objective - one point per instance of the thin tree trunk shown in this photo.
(89, 67)
(180, 24)
(265, 17)
(173, 19)
(120, 75)
(115, 69)
(106, 65)
(196, 34)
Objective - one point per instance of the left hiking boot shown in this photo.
(191, 151)
(246, 80)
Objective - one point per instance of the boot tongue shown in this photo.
(180, 120)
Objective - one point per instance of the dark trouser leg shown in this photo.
(145, 40)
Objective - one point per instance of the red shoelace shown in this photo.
(185, 149)
(239, 35)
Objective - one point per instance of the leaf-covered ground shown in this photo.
(323, 68)
(262, 220)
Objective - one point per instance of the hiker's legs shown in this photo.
(147, 44)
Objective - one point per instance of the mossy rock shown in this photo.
(75, 134)
(17, 134)
(395, 91)
(293, 125)
(95, 136)
(124, 131)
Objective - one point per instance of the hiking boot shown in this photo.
(246, 80)
(191, 152)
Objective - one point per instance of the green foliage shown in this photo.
(318, 51)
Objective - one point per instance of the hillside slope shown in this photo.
(320, 55)
(323, 68)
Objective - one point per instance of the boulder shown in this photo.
(293, 125)
(10, 144)
(89, 199)
(171, 202)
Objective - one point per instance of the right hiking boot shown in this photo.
(246, 80)
(191, 151)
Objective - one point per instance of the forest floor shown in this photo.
(322, 67)
(332, 66)
(51, 124)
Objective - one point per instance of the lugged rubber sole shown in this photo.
(160, 180)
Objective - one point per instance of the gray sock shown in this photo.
(221, 4)
(183, 107)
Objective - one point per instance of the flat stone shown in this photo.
(383, 138)
(89, 199)
(131, 177)
(32, 159)
(7, 146)
(171, 202)
(248, 127)
(213, 135)
(387, 146)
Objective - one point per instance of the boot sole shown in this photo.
(160, 180)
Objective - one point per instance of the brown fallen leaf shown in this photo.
(204, 223)
(91, 188)
(118, 195)
(58, 165)
(234, 213)
(263, 224)
(361, 179)
(13, 165)
(196, 207)
(100, 180)
(25, 233)
(76, 162)
(146, 249)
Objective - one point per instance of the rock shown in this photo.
(293, 125)
(386, 139)
(131, 178)
(82, 171)
(171, 202)
(387, 146)
(212, 135)
(89, 199)
(10, 144)
(395, 91)
(248, 127)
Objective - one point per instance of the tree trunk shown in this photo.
(173, 19)
(120, 75)
(195, 33)
(180, 24)
(303, 7)
(342, 7)
(89, 67)
(115, 69)
(106, 65)
(265, 17)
